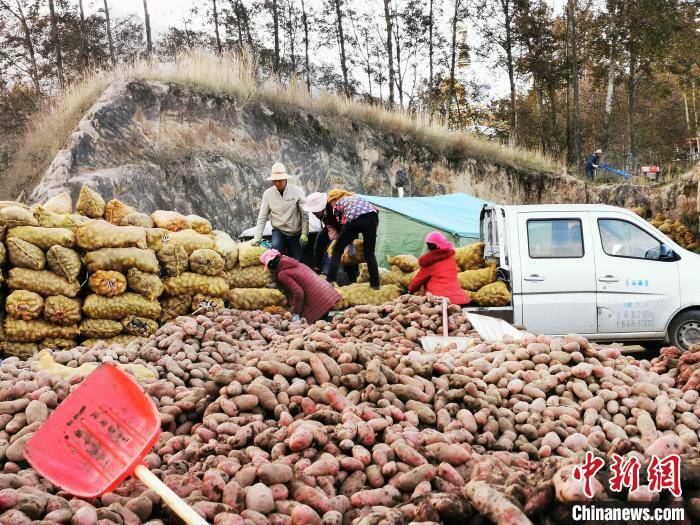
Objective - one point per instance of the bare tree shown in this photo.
(216, 27)
(430, 58)
(57, 45)
(109, 35)
(147, 20)
(389, 50)
(574, 75)
(453, 57)
(83, 33)
(611, 80)
(341, 41)
(18, 13)
(305, 21)
(276, 30)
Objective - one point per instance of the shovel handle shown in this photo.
(171, 499)
(445, 329)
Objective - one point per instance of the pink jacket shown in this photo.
(312, 297)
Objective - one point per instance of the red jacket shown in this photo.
(312, 297)
(438, 273)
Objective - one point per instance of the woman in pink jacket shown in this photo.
(311, 297)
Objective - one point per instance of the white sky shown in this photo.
(166, 13)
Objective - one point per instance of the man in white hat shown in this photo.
(282, 204)
(592, 164)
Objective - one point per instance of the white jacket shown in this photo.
(284, 211)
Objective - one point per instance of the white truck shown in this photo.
(595, 270)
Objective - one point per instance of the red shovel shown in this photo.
(98, 436)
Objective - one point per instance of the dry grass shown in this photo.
(235, 76)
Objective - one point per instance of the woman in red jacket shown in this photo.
(311, 297)
(438, 271)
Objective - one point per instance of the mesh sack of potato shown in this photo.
(494, 294)
(64, 262)
(49, 219)
(135, 325)
(101, 234)
(3, 254)
(406, 263)
(249, 255)
(121, 260)
(199, 224)
(42, 282)
(100, 328)
(189, 283)
(44, 238)
(62, 310)
(61, 203)
(116, 212)
(173, 307)
(170, 220)
(13, 204)
(190, 240)
(57, 343)
(119, 307)
(147, 284)
(250, 277)
(25, 255)
(363, 275)
(90, 203)
(107, 283)
(275, 310)
(3, 231)
(227, 248)
(204, 303)
(22, 351)
(141, 220)
(120, 340)
(174, 259)
(25, 305)
(19, 331)
(154, 238)
(472, 280)
(357, 294)
(206, 262)
(407, 278)
(255, 298)
(470, 257)
(15, 216)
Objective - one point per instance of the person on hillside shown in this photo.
(282, 204)
(311, 297)
(317, 203)
(438, 271)
(356, 216)
(592, 164)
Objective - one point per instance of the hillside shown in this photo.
(200, 136)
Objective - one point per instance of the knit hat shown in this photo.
(439, 240)
(278, 172)
(338, 193)
(315, 202)
(269, 256)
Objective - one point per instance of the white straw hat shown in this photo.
(315, 202)
(278, 172)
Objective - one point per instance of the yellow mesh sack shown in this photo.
(42, 282)
(357, 294)
(190, 240)
(199, 224)
(206, 262)
(139, 219)
(19, 331)
(255, 298)
(61, 310)
(227, 248)
(147, 284)
(470, 257)
(49, 219)
(173, 307)
(107, 283)
(363, 275)
(406, 263)
(170, 220)
(23, 351)
(174, 259)
(120, 340)
(472, 280)
(25, 305)
(116, 212)
(154, 238)
(61, 203)
(189, 283)
(135, 325)
(44, 238)
(250, 277)
(102, 234)
(204, 303)
(15, 216)
(249, 255)
(100, 328)
(494, 294)
(121, 260)
(57, 343)
(64, 262)
(90, 203)
(25, 255)
(121, 306)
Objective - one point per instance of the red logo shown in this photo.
(624, 473)
(665, 474)
(587, 471)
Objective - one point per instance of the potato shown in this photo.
(107, 283)
(169, 220)
(61, 310)
(147, 284)
(19, 331)
(135, 325)
(189, 283)
(25, 255)
(116, 308)
(98, 234)
(116, 212)
(100, 328)
(42, 282)
(90, 203)
(25, 305)
(206, 262)
(121, 340)
(121, 260)
(44, 238)
(199, 224)
(64, 262)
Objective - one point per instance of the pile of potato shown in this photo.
(271, 421)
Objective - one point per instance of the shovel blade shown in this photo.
(97, 435)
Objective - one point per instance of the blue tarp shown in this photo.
(456, 213)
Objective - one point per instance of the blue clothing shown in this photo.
(593, 159)
(286, 244)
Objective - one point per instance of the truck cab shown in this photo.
(596, 270)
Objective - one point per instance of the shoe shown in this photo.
(375, 287)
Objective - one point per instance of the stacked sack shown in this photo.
(248, 281)
(676, 230)
(42, 307)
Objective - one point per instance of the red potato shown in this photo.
(310, 496)
(259, 498)
(274, 473)
(407, 454)
(409, 481)
(305, 515)
(301, 439)
(228, 518)
(386, 497)
(326, 465)
(86, 515)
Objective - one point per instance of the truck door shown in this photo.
(557, 273)
(636, 290)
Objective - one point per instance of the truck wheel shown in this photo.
(685, 330)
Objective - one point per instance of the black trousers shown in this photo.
(367, 226)
(320, 247)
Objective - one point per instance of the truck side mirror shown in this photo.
(666, 253)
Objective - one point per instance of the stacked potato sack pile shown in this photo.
(42, 308)
(249, 282)
(676, 230)
(270, 421)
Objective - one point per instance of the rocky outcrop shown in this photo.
(156, 145)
